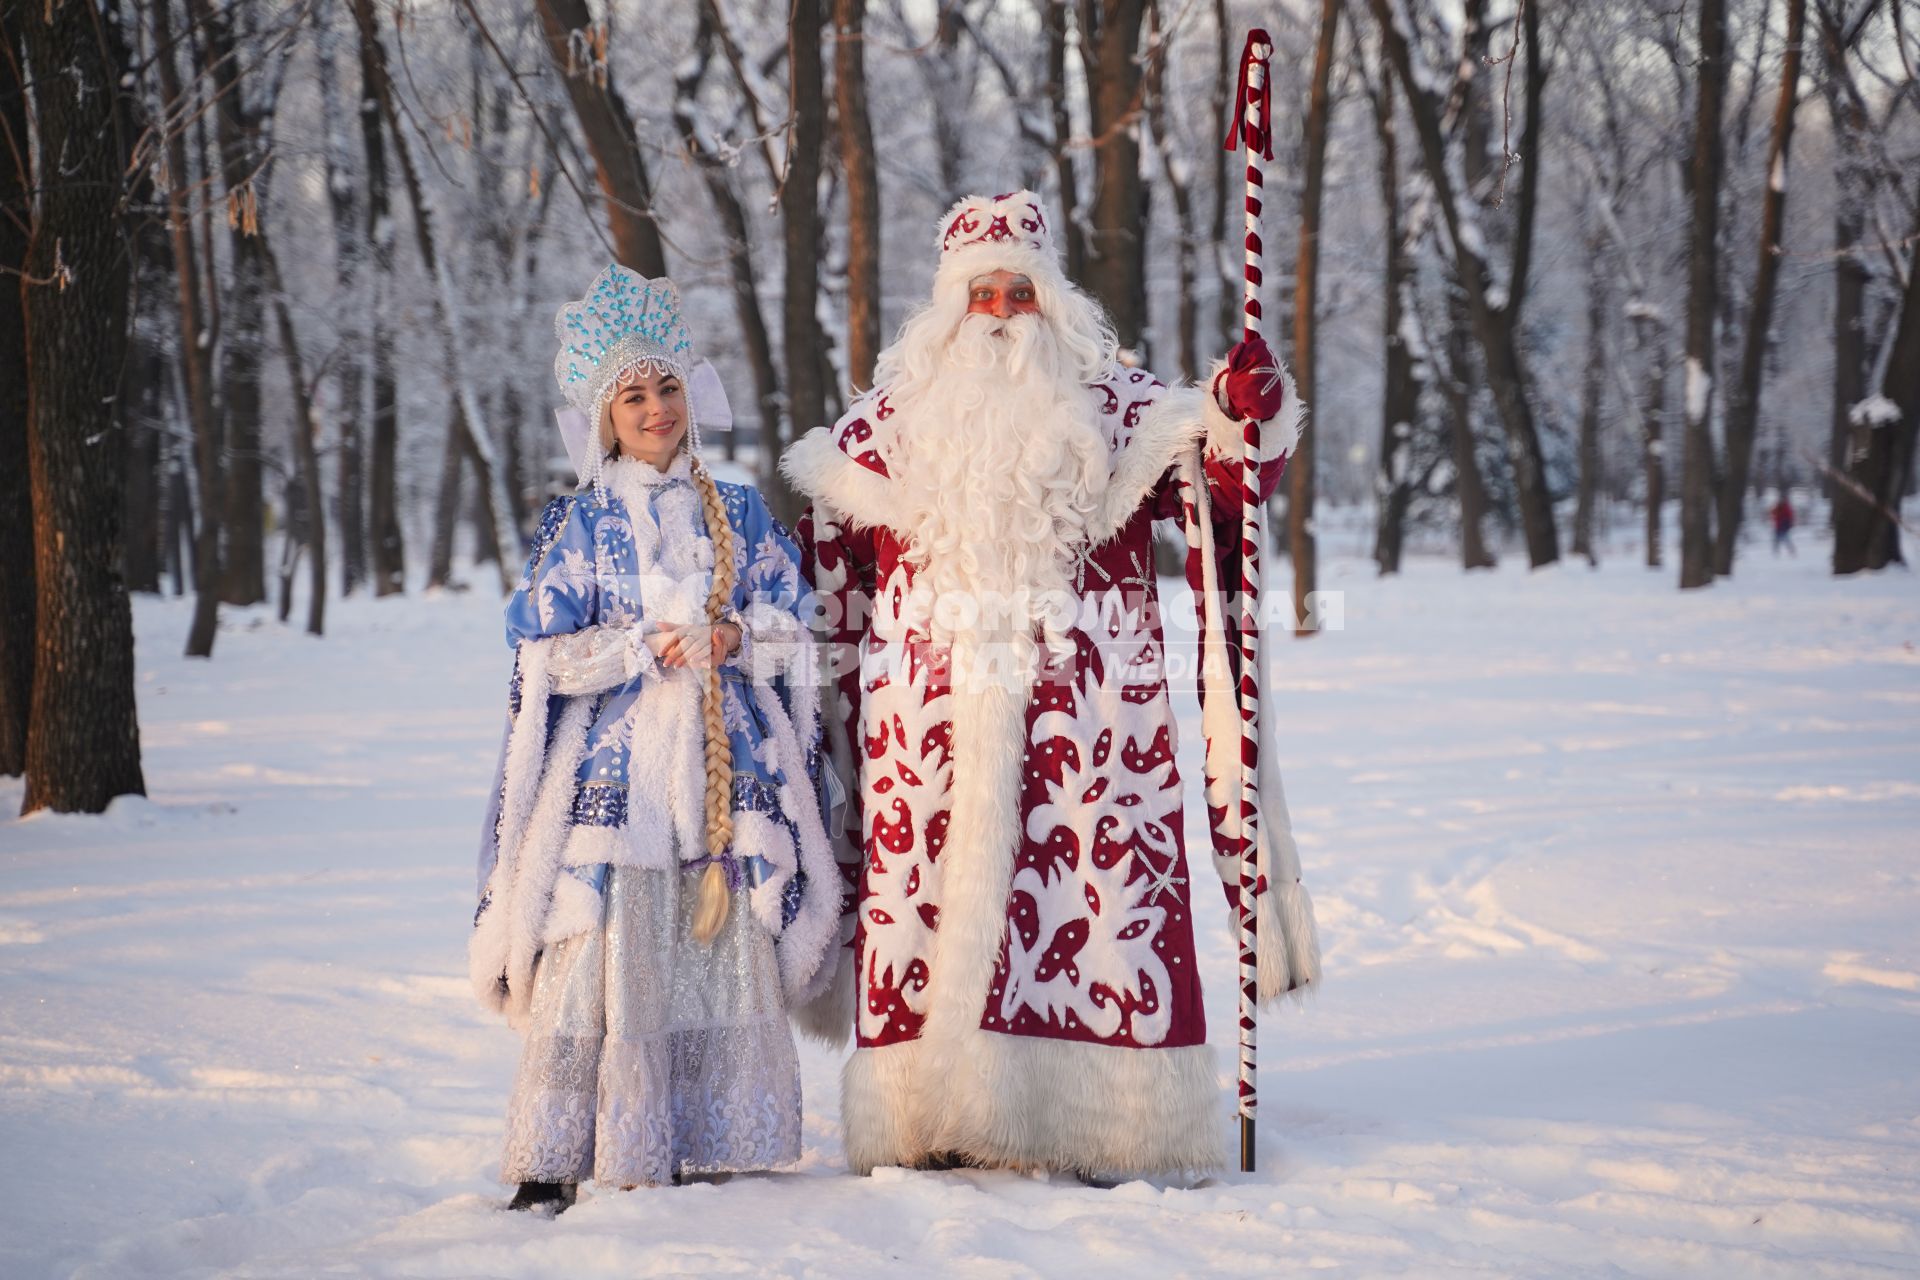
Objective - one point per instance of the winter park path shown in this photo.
(1618, 890)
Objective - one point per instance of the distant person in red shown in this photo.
(1783, 525)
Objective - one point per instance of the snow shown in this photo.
(1875, 411)
(1699, 390)
(1617, 891)
(1777, 173)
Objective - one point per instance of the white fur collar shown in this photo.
(823, 464)
(646, 475)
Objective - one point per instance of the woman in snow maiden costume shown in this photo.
(656, 884)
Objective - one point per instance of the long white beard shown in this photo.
(999, 464)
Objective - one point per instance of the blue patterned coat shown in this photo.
(604, 761)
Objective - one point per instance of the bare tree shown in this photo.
(800, 217)
(863, 190)
(578, 46)
(1593, 387)
(1493, 306)
(1170, 153)
(83, 735)
(304, 430)
(243, 107)
(343, 206)
(1696, 476)
(1301, 544)
(470, 428)
(1881, 439)
(1115, 271)
(16, 494)
(383, 506)
(195, 343)
(1054, 16)
(1743, 397)
(710, 155)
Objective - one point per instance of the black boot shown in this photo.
(538, 1195)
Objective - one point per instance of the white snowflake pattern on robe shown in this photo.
(1116, 802)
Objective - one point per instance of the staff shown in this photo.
(1253, 121)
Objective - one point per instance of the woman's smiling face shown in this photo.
(648, 417)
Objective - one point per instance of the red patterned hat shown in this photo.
(989, 233)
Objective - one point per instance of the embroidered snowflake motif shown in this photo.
(573, 575)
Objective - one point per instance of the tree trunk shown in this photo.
(800, 215)
(1302, 545)
(239, 119)
(306, 427)
(1493, 313)
(1054, 15)
(83, 735)
(461, 389)
(716, 170)
(350, 368)
(1168, 151)
(1853, 192)
(1743, 400)
(16, 494)
(1696, 473)
(609, 132)
(1228, 265)
(1400, 390)
(143, 415)
(1650, 341)
(1470, 487)
(1115, 272)
(383, 502)
(446, 504)
(195, 360)
(1593, 384)
(863, 190)
(1881, 442)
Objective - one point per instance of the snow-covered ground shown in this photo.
(1620, 893)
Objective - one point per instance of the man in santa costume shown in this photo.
(1019, 966)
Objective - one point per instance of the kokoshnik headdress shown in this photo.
(625, 326)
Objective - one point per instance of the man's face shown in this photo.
(1002, 294)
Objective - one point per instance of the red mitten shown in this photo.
(1251, 386)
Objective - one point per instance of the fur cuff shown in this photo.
(817, 468)
(1278, 435)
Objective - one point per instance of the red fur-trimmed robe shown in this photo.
(1019, 924)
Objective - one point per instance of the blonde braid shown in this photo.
(711, 912)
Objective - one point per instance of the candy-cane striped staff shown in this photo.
(1252, 122)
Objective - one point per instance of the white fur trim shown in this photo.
(1169, 428)
(509, 935)
(960, 267)
(803, 944)
(1014, 1100)
(576, 909)
(1288, 944)
(755, 835)
(667, 771)
(816, 467)
(1278, 435)
(1031, 1103)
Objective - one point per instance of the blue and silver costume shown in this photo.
(650, 1053)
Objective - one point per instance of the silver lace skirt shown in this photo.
(648, 1054)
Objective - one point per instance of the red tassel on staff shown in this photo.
(1252, 123)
